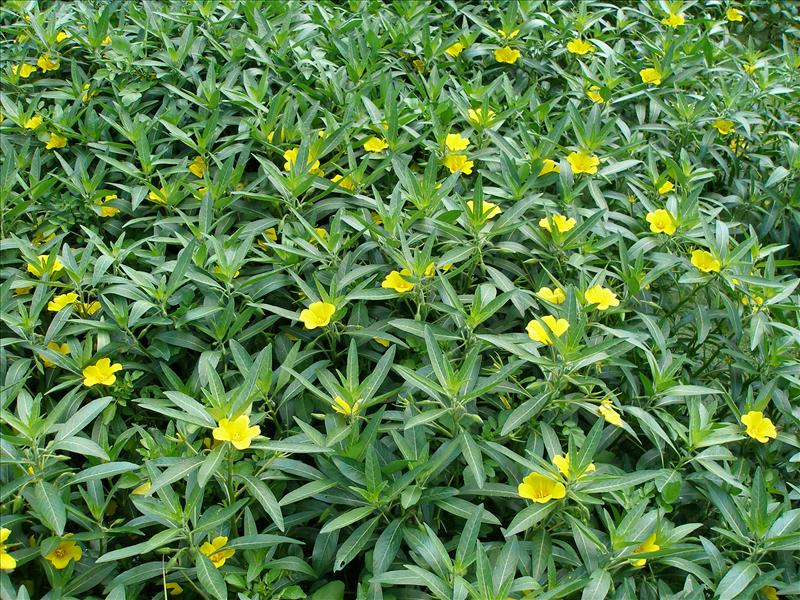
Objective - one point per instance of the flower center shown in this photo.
(60, 552)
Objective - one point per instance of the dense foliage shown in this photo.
(400, 300)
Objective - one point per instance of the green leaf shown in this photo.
(211, 464)
(259, 490)
(82, 418)
(354, 544)
(472, 454)
(261, 540)
(598, 586)
(524, 413)
(159, 540)
(387, 546)
(105, 471)
(175, 473)
(46, 501)
(425, 417)
(347, 518)
(333, 590)
(736, 580)
(437, 359)
(308, 490)
(529, 517)
(210, 578)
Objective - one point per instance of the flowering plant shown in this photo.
(387, 300)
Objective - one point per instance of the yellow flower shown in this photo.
(757, 300)
(174, 589)
(141, 490)
(216, 551)
(198, 167)
(508, 36)
(271, 234)
(88, 308)
(770, 593)
(159, 197)
(455, 49)
(537, 332)
(237, 431)
(477, 116)
(106, 40)
(200, 193)
(40, 238)
(749, 68)
(458, 162)
(507, 55)
(344, 182)
(61, 301)
(46, 63)
(650, 75)
(661, 221)
(318, 314)
(107, 211)
(562, 223)
(375, 145)
(549, 166)
(218, 270)
(490, 210)
(562, 463)
(395, 281)
(62, 35)
(430, 270)
(666, 187)
(382, 342)
(456, 142)
(87, 95)
(555, 296)
(603, 297)
(541, 489)
(343, 408)
(674, 20)
(60, 348)
(705, 261)
(583, 163)
(39, 269)
(56, 141)
(594, 94)
(649, 545)
(759, 427)
(609, 413)
(33, 122)
(290, 156)
(733, 14)
(102, 372)
(738, 146)
(321, 232)
(24, 70)
(65, 551)
(580, 47)
(723, 126)
(7, 562)
(23, 291)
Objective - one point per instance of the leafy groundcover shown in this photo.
(391, 300)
